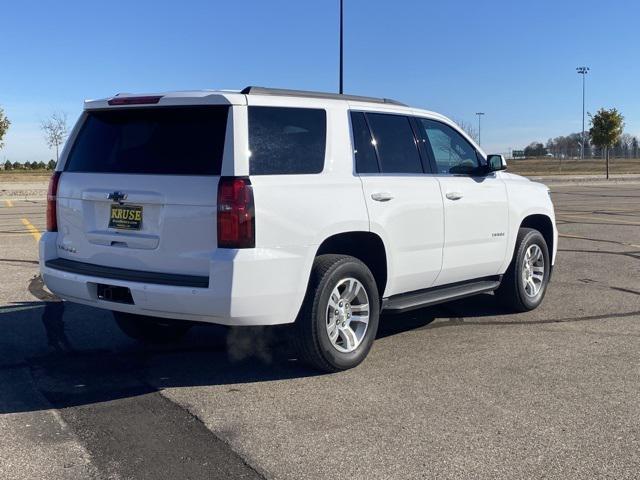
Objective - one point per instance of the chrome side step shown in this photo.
(432, 296)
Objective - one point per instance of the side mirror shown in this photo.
(496, 163)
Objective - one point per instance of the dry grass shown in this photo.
(553, 166)
(24, 176)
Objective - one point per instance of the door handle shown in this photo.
(381, 196)
(454, 195)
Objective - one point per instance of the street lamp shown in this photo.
(341, 47)
(479, 117)
(582, 71)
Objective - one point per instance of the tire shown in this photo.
(514, 292)
(321, 336)
(151, 329)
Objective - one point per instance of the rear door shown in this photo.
(404, 204)
(138, 189)
(475, 206)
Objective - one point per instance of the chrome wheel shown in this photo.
(347, 315)
(533, 270)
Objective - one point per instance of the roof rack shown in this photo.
(304, 93)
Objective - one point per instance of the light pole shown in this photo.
(341, 47)
(479, 130)
(582, 71)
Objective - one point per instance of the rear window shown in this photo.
(286, 140)
(161, 140)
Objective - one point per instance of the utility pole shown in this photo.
(582, 71)
(479, 117)
(341, 91)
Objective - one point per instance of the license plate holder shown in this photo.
(125, 217)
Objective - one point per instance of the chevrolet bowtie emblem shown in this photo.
(117, 196)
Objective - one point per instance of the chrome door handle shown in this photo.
(381, 196)
(454, 195)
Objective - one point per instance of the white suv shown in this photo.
(265, 207)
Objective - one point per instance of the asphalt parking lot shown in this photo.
(463, 390)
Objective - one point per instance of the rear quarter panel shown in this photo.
(294, 214)
(303, 210)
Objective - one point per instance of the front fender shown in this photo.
(527, 198)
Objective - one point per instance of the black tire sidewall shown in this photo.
(357, 270)
(532, 237)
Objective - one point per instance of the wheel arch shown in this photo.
(544, 225)
(368, 247)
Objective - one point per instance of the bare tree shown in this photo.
(624, 146)
(55, 130)
(4, 126)
(468, 128)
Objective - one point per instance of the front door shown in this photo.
(475, 207)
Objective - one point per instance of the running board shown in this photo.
(432, 296)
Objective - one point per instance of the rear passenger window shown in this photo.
(286, 140)
(393, 137)
(363, 150)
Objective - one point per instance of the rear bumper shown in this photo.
(82, 268)
(245, 287)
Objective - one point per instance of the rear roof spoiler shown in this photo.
(304, 93)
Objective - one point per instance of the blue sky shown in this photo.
(514, 60)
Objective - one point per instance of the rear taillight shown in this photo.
(52, 216)
(236, 219)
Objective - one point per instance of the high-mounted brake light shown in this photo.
(149, 100)
(52, 192)
(236, 213)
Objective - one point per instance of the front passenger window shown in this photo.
(452, 152)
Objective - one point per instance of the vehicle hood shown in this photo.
(514, 178)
